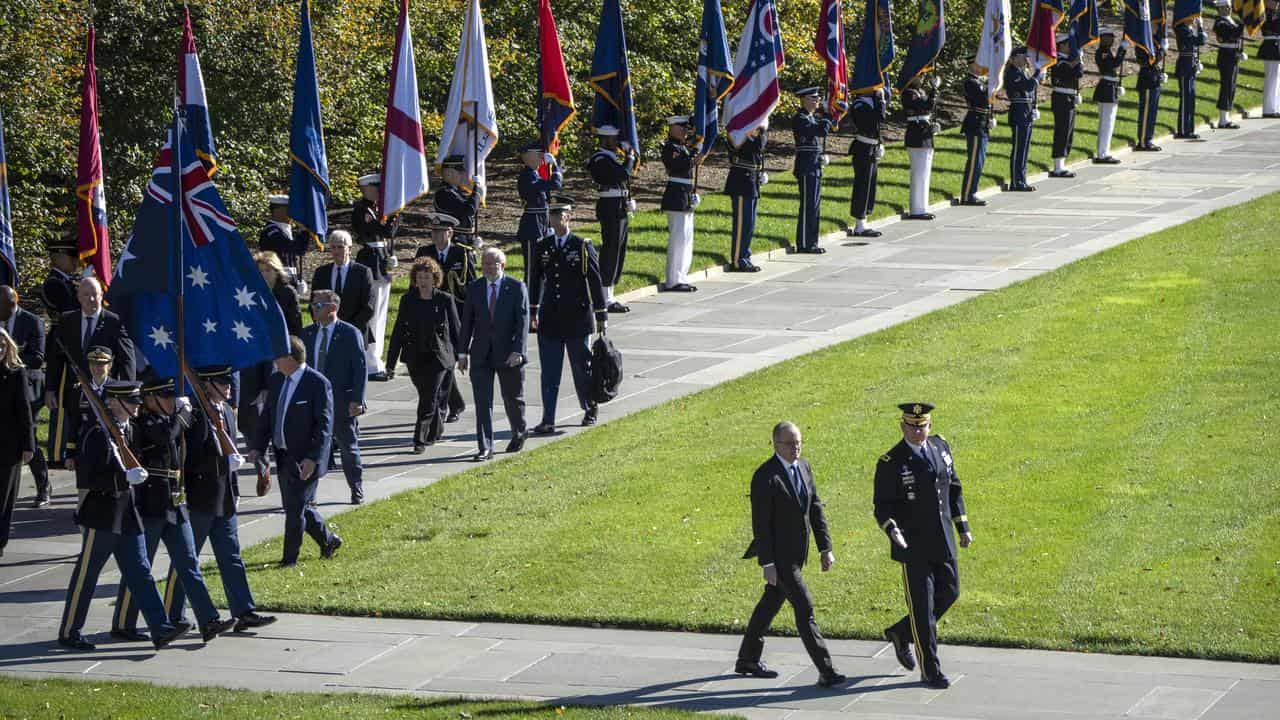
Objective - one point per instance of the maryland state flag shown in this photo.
(875, 48)
(829, 42)
(91, 201)
(1252, 14)
(1137, 27)
(931, 34)
(555, 98)
(1042, 41)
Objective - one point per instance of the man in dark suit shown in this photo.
(785, 509)
(298, 422)
(352, 281)
(78, 331)
(337, 352)
(495, 334)
(917, 499)
(27, 332)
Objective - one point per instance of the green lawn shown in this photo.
(125, 700)
(1110, 421)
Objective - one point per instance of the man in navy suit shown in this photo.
(336, 349)
(27, 331)
(354, 284)
(298, 421)
(495, 334)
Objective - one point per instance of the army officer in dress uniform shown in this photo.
(810, 133)
(917, 500)
(1190, 37)
(378, 253)
(742, 185)
(1151, 78)
(679, 199)
(976, 127)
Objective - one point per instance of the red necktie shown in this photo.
(493, 299)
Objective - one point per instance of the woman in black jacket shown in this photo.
(286, 296)
(426, 334)
(18, 442)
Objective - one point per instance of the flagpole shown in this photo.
(179, 385)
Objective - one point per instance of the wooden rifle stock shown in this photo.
(100, 411)
(226, 444)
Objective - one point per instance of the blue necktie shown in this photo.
(798, 484)
(281, 409)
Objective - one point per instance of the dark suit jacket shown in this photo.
(287, 298)
(308, 421)
(108, 332)
(356, 296)
(28, 333)
(489, 342)
(425, 329)
(344, 364)
(922, 498)
(19, 435)
(780, 524)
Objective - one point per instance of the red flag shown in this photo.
(829, 42)
(91, 201)
(555, 98)
(1042, 41)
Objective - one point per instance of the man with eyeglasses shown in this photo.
(917, 500)
(337, 351)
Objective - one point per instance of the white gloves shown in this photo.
(935, 128)
(1199, 68)
(631, 205)
(1075, 99)
(764, 178)
(1035, 113)
(1164, 78)
(626, 146)
(936, 82)
(1124, 44)
(1244, 56)
(991, 122)
(235, 461)
(393, 262)
(183, 403)
(825, 160)
(879, 151)
(135, 476)
(302, 287)
(695, 201)
(1120, 91)
(548, 158)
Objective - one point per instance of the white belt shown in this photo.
(1066, 91)
(919, 118)
(535, 211)
(1110, 78)
(808, 148)
(680, 181)
(376, 245)
(867, 140)
(1230, 45)
(1271, 37)
(1023, 101)
(615, 193)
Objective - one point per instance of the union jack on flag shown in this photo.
(199, 213)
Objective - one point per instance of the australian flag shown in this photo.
(8, 263)
(231, 317)
(715, 77)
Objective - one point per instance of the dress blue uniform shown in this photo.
(1151, 78)
(1065, 77)
(810, 134)
(462, 206)
(868, 112)
(1230, 35)
(612, 176)
(535, 193)
(976, 128)
(742, 185)
(1020, 84)
(1190, 37)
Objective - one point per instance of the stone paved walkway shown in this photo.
(675, 344)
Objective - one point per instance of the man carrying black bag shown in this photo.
(606, 370)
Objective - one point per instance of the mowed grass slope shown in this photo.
(84, 699)
(1111, 422)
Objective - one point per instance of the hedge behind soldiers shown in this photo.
(1107, 93)
(111, 527)
(1151, 78)
(535, 192)
(1020, 84)
(746, 177)
(679, 198)
(1230, 35)
(161, 501)
(457, 262)
(1190, 37)
(977, 129)
(378, 253)
(917, 499)
(277, 236)
(612, 176)
(810, 133)
(868, 111)
(1065, 76)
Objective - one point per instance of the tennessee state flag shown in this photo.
(829, 42)
(91, 201)
(1042, 41)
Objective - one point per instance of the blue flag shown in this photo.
(8, 261)
(930, 36)
(1084, 27)
(309, 167)
(230, 315)
(611, 78)
(1137, 26)
(715, 76)
(1184, 11)
(875, 49)
(1160, 25)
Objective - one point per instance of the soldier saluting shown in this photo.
(1107, 93)
(612, 176)
(810, 133)
(977, 129)
(679, 198)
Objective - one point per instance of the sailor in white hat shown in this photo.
(277, 237)
(679, 198)
(377, 252)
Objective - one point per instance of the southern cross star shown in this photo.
(210, 326)
(199, 278)
(244, 298)
(160, 336)
(242, 331)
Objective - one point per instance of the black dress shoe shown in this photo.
(183, 625)
(1228, 126)
(517, 443)
(286, 564)
(918, 216)
(617, 307)
(216, 627)
(811, 250)
(482, 456)
(865, 232)
(168, 637)
(545, 428)
(331, 548)
(130, 635)
(974, 202)
(589, 417)
(1021, 187)
(378, 377)
(831, 679)
(1271, 115)
(453, 417)
(745, 266)
(419, 448)
(1147, 147)
(938, 682)
(40, 501)
(76, 642)
(680, 287)
(1063, 174)
(1106, 160)
(902, 649)
(252, 619)
(357, 499)
(756, 669)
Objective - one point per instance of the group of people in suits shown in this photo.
(919, 505)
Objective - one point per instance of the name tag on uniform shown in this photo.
(946, 457)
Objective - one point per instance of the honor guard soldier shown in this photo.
(976, 126)
(868, 112)
(1269, 52)
(1065, 77)
(1230, 36)
(378, 253)
(565, 292)
(109, 521)
(612, 176)
(58, 293)
(1107, 93)
(213, 497)
(535, 192)
(159, 434)
(1020, 84)
(679, 198)
(917, 104)
(742, 185)
(917, 500)
(457, 200)
(1190, 37)
(1151, 78)
(456, 262)
(810, 133)
(277, 237)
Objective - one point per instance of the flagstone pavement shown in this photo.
(675, 344)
